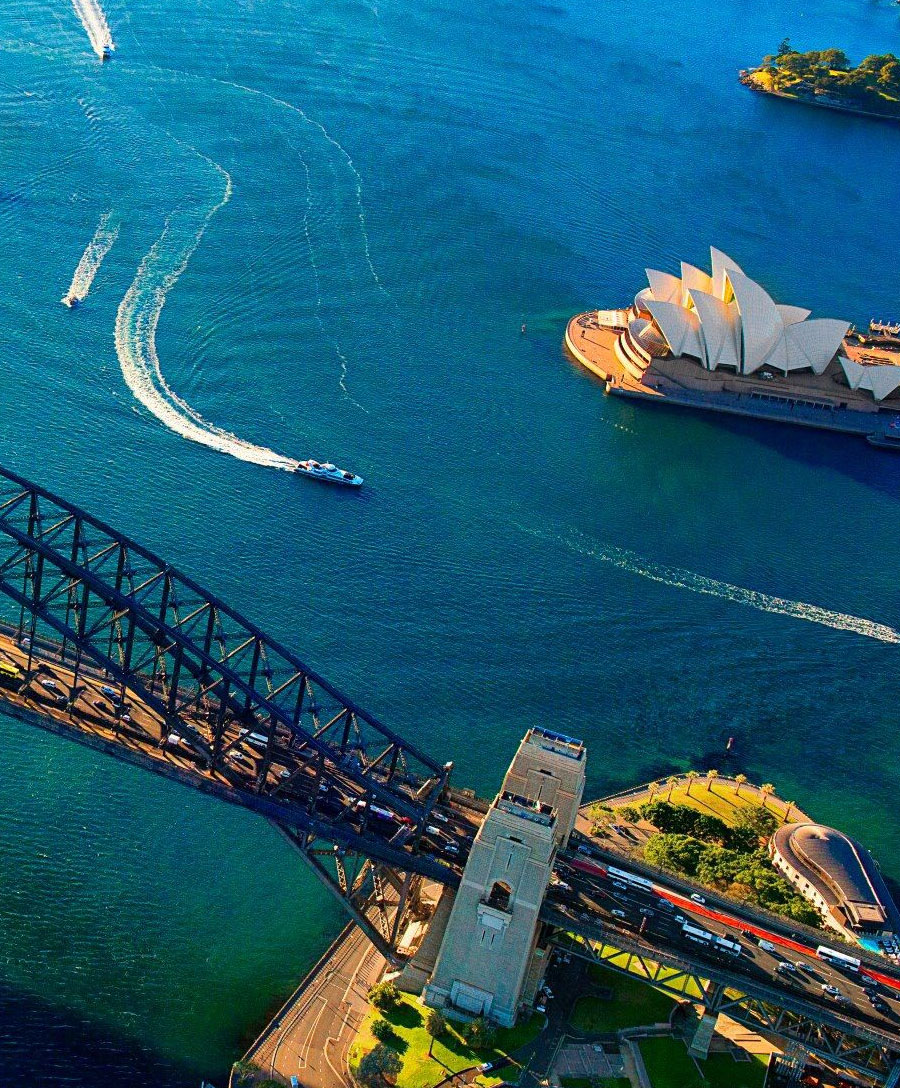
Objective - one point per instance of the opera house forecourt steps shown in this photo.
(719, 342)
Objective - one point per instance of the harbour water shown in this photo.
(332, 222)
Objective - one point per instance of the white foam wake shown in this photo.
(91, 259)
(94, 22)
(136, 322)
(345, 155)
(680, 578)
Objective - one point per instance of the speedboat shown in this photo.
(107, 51)
(328, 473)
(70, 300)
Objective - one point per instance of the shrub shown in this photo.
(384, 996)
(480, 1034)
(382, 1030)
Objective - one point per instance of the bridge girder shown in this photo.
(101, 605)
(823, 1035)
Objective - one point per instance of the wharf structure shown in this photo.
(719, 342)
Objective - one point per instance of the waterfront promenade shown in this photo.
(310, 1036)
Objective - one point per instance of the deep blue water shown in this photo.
(408, 183)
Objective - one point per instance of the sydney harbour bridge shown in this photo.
(103, 642)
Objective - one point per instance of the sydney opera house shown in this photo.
(718, 340)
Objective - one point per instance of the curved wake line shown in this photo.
(92, 258)
(136, 322)
(94, 22)
(345, 154)
(679, 578)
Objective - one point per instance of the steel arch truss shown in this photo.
(867, 1051)
(98, 607)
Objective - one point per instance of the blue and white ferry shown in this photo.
(328, 473)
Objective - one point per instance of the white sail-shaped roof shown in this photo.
(815, 343)
(721, 263)
(679, 326)
(719, 330)
(853, 371)
(880, 380)
(693, 279)
(761, 323)
(665, 287)
(790, 315)
(727, 319)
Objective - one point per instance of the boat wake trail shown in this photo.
(712, 587)
(342, 358)
(345, 155)
(138, 317)
(94, 22)
(91, 260)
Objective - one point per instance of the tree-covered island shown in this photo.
(826, 78)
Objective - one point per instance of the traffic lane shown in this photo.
(854, 1015)
(629, 913)
(745, 916)
(705, 911)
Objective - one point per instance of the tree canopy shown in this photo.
(378, 1065)
(873, 84)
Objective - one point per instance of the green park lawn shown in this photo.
(633, 1003)
(451, 1054)
(721, 800)
(669, 1066)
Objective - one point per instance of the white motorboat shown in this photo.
(328, 473)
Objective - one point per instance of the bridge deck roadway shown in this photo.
(289, 791)
(649, 920)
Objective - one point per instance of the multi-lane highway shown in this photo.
(36, 683)
(728, 939)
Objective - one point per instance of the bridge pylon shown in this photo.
(491, 961)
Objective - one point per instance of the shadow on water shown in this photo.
(849, 455)
(44, 1044)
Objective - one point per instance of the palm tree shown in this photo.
(740, 779)
(788, 810)
(766, 789)
(711, 775)
(691, 775)
(653, 786)
(671, 782)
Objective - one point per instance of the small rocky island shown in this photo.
(826, 78)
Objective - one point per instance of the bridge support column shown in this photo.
(705, 1030)
(893, 1078)
(490, 961)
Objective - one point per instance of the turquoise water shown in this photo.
(332, 221)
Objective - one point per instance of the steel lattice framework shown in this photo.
(76, 593)
(764, 1009)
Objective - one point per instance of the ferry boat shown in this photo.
(328, 473)
(888, 438)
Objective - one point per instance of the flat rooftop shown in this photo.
(550, 741)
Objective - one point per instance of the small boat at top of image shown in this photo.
(71, 300)
(107, 52)
(328, 473)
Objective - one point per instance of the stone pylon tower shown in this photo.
(490, 961)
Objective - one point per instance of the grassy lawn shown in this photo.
(633, 1003)
(722, 801)
(451, 1054)
(669, 1066)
